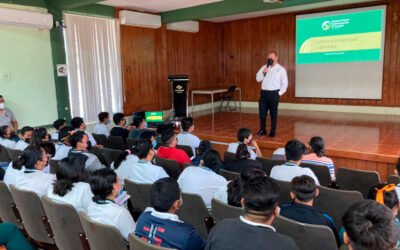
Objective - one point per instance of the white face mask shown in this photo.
(2, 105)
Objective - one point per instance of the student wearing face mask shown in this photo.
(6, 137)
(274, 83)
(101, 127)
(25, 136)
(7, 117)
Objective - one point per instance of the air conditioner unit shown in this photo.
(187, 26)
(132, 18)
(26, 18)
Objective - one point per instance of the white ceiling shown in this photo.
(156, 6)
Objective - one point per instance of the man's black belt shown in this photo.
(277, 90)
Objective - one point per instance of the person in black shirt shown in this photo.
(119, 129)
(242, 160)
(253, 230)
(304, 190)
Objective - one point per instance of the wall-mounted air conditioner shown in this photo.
(26, 18)
(187, 26)
(132, 18)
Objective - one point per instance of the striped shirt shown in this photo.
(325, 161)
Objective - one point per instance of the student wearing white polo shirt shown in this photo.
(105, 186)
(58, 125)
(294, 151)
(5, 137)
(203, 180)
(78, 124)
(244, 136)
(101, 127)
(33, 178)
(25, 136)
(69, 187)
(186, 137)
(63, 146)
(141, 170)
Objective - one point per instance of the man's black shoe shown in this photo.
(271, 134)
(261, 132)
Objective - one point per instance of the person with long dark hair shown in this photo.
(242, 160)
(25, 137)
(317, 155)
(204, 146)
(63, 146)
(6, 137)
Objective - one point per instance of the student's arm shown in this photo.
(195, 241)
(258, 151)
(126, 224)
(15, 125)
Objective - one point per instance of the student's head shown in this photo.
(78, 123)
(165, 195)
(31, 158)
(49, 148)
(104, 184)
(144, 150)
(161, 128)
(368, 226)
(242, 152)
(5, 132)
(212, 160)
(59, 124)
(168, 138)
(304, 189)
(294, 150)
(244, 135)
(79, 141)
(385, 194)
(39, 135)
(317, 146)
(149, 135)
(104, 117)
(26, 133)
(1, 103)
(70, 171)
(187, 124)
(139, 122)
(260, 198)
(203, 147)
(65, 133)
(119, 119)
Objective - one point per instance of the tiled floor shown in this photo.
(343, 132)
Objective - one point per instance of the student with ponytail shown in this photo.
(69, 187)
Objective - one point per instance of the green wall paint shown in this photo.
(26, 55)
(94, 10)
(34, 3)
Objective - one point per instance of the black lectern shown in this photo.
(180, 91)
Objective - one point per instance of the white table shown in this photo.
(211, 92)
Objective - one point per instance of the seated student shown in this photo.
(203, 180)
(50, 150)
(204, 146)
(244, 136)
(63, 146)
(69, 187)
(105, 186)
(140, 125)
(25, 136)
(78, 124)
(186, 137)
(142, 170)
(12, 238)
(159, 131)
(317, 157)
(294, 151)
(34, 159)
(101, 127)
(165, 200)
(79, 142)
(303, 193)
(119, 129)
(5, 137)
(149, 135)
(39, 135)
(369, 226)
(253, 230)
(58, 125)
(169, 150)
(242, 160)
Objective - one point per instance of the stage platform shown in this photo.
(358, 141)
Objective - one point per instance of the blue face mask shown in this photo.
(145, 124)
(154, 144)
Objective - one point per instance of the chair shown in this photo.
(227, 97)
(54, 164)
(321, 171)
(188, 149)
(66, 225)
(286, 188)
(335, 202)
(140, 194)
(35, 221)
(393, 179)
(111, 154)
(306, 236)
(228, 175)
(222, 211)
(170, 166)
(228, 156)
(4, 157)
(135, 243)
(194, 212)
(116, 142)
(101, 139)
(100, 236)
(357, 180)
(8, 209)
(268, 164)
(130, 142)
(14, 153)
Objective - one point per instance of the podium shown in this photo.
(180, 92)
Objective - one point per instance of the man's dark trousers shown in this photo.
(269, 100)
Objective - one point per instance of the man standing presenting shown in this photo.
(274, 84)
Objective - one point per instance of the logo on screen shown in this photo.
(327, 25)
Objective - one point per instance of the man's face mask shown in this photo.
(270, 62)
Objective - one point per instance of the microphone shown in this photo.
(269, 64)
